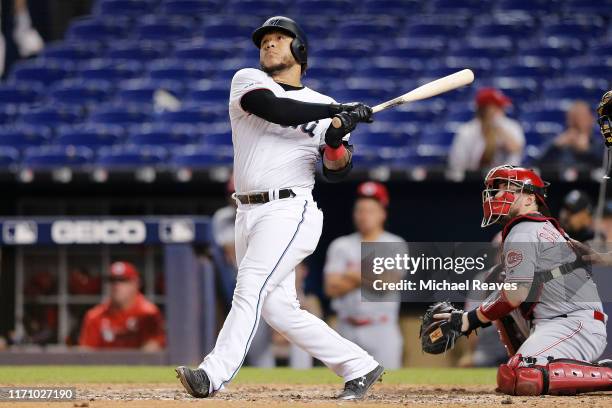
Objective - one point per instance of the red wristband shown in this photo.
(332, 154)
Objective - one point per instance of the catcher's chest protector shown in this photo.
(558, 377)
(542, 277)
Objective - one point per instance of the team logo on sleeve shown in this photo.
(513, 258)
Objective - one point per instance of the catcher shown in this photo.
(554, 352)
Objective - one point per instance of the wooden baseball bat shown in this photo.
(433, 88)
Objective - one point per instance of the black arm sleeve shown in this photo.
(285, 111)
(334, 176)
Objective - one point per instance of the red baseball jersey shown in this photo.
(106, 327)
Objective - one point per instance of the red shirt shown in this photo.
(106, 327)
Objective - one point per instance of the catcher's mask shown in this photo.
(604, 117)
(502, 185)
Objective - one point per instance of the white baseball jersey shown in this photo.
(267, 155)
(345, 253)
(469, 144)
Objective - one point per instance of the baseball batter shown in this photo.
(280, 129)
(554, 292)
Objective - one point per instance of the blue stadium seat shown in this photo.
(596, 67)
(495, 29)
(426, 156)
(51, 116)
(109, 70)
(519, 90)
(584, 30)
(330, 71)
(70, 51)
(187, 116)
(603, 48)
(8, 156)
(526, 71)
(179, 70)
(530, 6)
(586, 6)
(419, 49)
(132, 8)
(554, 47)
(381, 139)
(435, 135)
(91, 136)
(131, 156)
(93, 29)
(141, 90)
(20, 93)
(39, 72)
(371, 156)
(331, 50)
(78, 92)
(226, 31)
(51, 157)
(217, 139)
(201, 156)
(159, 136)
(21, 137)
(139, 51)
(191, 8)
(393, 7)
(403, 115)
(540, 118)
(263, 8)
(199, 50)
(534, 138)
(206, 92)
(331, 7)
(482, 67)
(375, 29)
(164, 29)
(460, 114)
(119, 115)
(442, 30)
(9, 113)
(491, 48)
(459, 6)
(572, 90)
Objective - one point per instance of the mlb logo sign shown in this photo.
(19, 232)
(176, 231)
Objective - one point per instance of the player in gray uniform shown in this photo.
(372, 325)
(555, 293)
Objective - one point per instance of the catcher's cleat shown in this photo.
(196, 381)
(356, 389)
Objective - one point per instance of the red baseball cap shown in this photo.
(375, 190)
(123, 271)
(492, 96)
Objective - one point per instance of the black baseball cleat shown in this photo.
(356, 389)
(196, 381)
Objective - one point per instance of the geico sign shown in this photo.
(98, 232)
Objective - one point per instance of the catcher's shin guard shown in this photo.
(558, 377)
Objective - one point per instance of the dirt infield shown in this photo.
(385, 395)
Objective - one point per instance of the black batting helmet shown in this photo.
(299, 45)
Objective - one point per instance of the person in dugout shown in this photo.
(126, 319)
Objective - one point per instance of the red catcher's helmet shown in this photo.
(497, 198)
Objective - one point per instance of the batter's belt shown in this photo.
(264, 196)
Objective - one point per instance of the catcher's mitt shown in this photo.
(437, 336)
